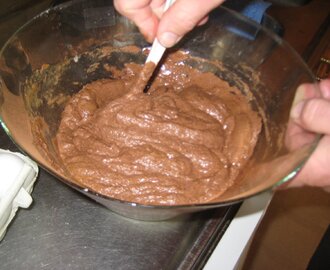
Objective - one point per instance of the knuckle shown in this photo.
(316, 115)
(183, 21)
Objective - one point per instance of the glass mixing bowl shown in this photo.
(55, 54)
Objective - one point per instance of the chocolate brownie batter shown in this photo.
(183, 142)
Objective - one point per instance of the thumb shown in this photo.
(313, 115)
(182, 17)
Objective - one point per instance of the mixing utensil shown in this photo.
(157, 50)
(155, 55)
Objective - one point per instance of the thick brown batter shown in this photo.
(183, 142)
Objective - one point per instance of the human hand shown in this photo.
(171, 26)
(311, 116)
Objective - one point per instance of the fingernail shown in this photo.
(297, 109)
(168, 39)
(149, 37)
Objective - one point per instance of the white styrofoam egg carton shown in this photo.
(17, 176)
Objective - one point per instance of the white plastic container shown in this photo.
(17, 176)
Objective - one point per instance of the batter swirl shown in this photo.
(183, 142)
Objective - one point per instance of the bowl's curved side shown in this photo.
(49, 59)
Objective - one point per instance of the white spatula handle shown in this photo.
(157, 50)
